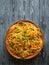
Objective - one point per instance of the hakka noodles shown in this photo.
(24, 39)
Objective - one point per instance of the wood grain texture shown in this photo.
(34, 10)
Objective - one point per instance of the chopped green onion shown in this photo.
(23, 38)
(38, 35)
(18, 39)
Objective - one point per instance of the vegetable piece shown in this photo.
(10, 43)
(33, 50)
(23, 38)
(18, 39)
(25, 32)
(38, 35)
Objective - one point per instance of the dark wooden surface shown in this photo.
(34, 10)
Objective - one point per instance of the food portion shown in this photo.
(24, 39)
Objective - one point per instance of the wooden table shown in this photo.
(34, 10)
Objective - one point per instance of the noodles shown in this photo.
(24, 38)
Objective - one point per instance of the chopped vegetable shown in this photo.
(18, 39)
(23, 38)
(38, 35)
